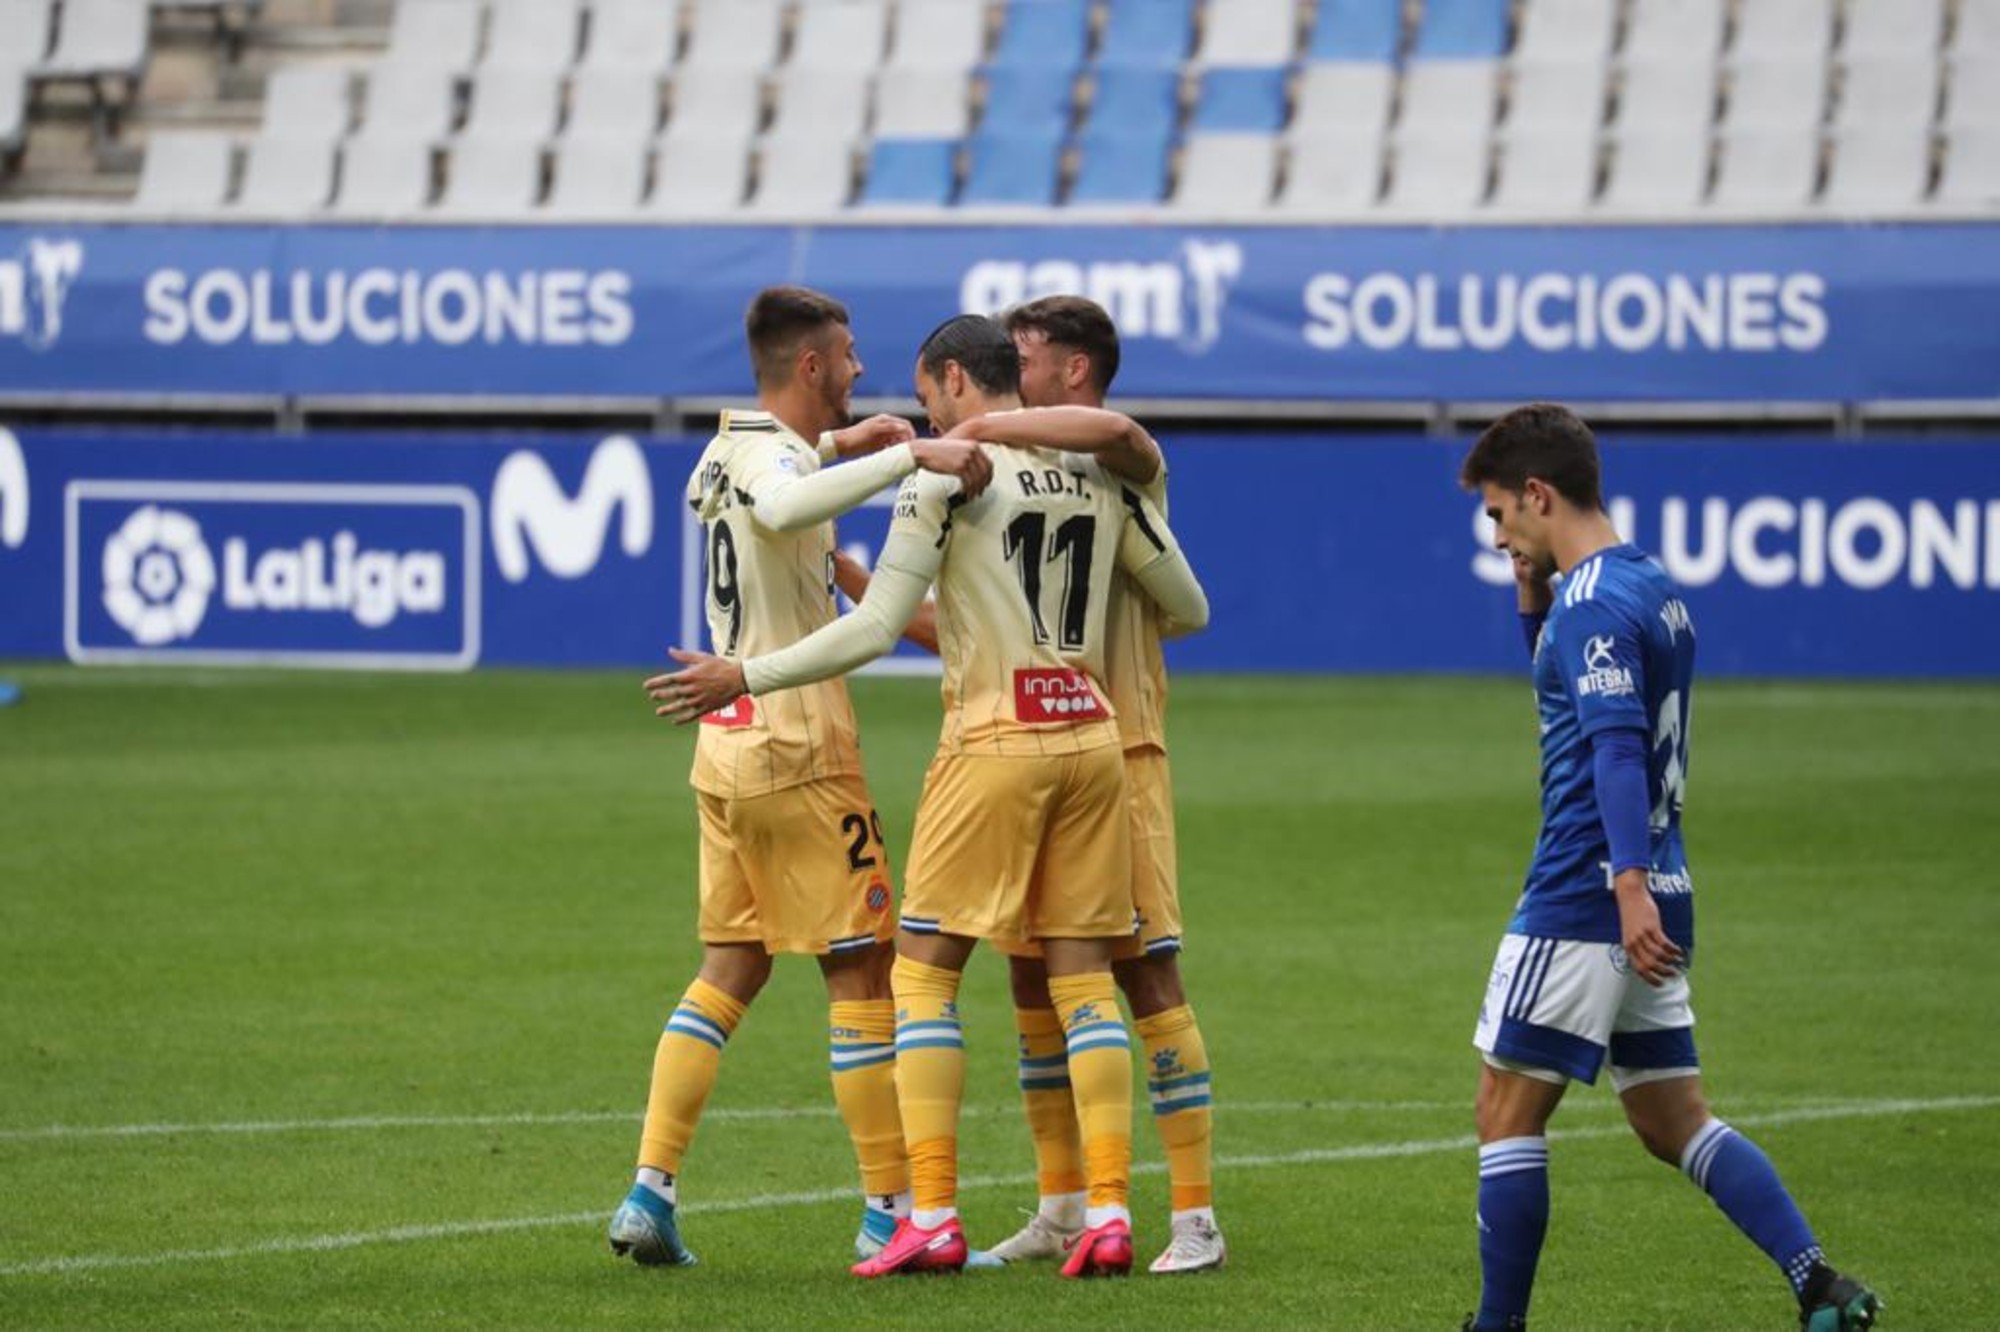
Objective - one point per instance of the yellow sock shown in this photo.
(1045, 1090)
(861, 1039)
(684, 1072)
(1177, 1078)
(930, 1079)
(1100, 1072)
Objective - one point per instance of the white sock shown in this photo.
(660, 1182)
(1196, 1214)
(1062, 1210)
(1093, 1217)
(930, 1218)
(899, 1206)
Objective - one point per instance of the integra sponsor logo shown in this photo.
(1554, 312)
(567, 307)
(1864, 543)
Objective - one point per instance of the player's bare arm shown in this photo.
(852, 580)
(872, 435)
(1121, 445)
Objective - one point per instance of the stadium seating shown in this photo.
(1549, 106)
(492, 176)
(384, 177)
(597, 178)
(1971, 172)
(696, 176)
(186, 173)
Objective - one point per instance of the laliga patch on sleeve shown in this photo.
(1056, 694)
(738, 714)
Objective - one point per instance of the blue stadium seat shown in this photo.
(1357, 30)
(1013, 167)
(1133, 98)
(1121, 166)
(1148, 32)
(1238, 101)
(1463, 30)
(910, 171)
(1044, 34)
(1025, 99)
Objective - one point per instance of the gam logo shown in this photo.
(1181, 301)
(33, 288)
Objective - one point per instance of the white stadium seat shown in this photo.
(1557, 93)
(841, 34)
(29, 24)
(1971, 175)
(1331, 174)
(1893, 28)
(308, 102)
(99, 37)
(1253, 33)
(803, 175)
(1566, 29)
(821, 102)
(1663, 30)
(1547, 171)
(13, 106)
(922, 103)
(1874, 167)
(384, 177)
(1438, 173)
(1974, 95)
(736, 35)
(1783, 29)
(1227, 175)
(492, 178)
(1889, 91)
(436, 34)
(1666, 95)
(1977, 27)
(1344, 98)
(1452, 97)
(185, 173)
(514, 103)
(697, 177)
(1656, 171)
(286, 177)
(614, 103)
(724, 103)
(1767, 168)
(1776, 94)
(409, 102)
(938, 34)
(534, 34)
(598, 179)
(633, 34)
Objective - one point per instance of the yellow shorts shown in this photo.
(1014, 849)
(1149, 802)
(801, 870)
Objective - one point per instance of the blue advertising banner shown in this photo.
(1740, 313)
(1319, 554)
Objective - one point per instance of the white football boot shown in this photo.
(1196, 1247)
(1039, 1241)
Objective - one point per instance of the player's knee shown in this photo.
(1029, 980)
(1152, 984)
(858, 977)
(738, 971)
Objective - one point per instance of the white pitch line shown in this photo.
(1312, 1156)
(530, 1119)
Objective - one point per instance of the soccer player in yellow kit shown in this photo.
(791, 852)
(1022, 831)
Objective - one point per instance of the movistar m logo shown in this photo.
(530, 509)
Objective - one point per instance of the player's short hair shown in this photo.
(1544, 441)
(778, 323)
(983, 349)
(1072, 321)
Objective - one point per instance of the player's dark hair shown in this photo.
(1076, 322)
(1543, 441)
(982, 348)
(778, 323)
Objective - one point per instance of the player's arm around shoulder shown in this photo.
(1149, 551)
(1119, 444)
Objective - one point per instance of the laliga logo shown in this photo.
(530, 509)
(1181, 302)
(157, 576)
(33, 289)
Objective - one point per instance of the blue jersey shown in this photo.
(1617, 651)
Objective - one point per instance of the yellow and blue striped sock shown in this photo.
(1177, 1080)
(1100, 1072)
(861, 1043)
(930, 1084)
(684, 1068)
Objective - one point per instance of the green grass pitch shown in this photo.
(328, 1001)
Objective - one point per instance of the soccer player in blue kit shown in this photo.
(1594, 962)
